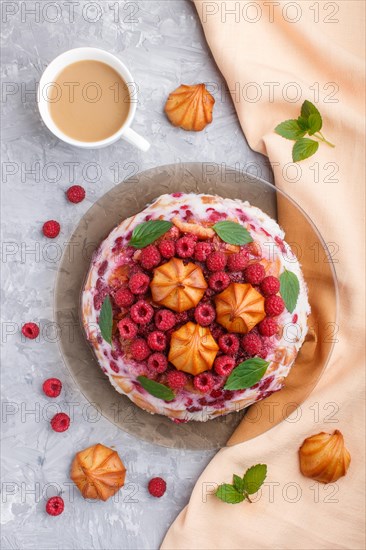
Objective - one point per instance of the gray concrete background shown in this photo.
(163, 45)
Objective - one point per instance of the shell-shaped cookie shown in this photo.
(239, 308)
(324, 457)
(190, 107)
(193, 348)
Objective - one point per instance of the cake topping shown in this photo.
(98, 472)
(193, 349)
(178, 286)
(239, 308)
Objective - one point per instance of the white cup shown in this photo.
(83, 54)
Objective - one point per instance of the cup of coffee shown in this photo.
(87, 97)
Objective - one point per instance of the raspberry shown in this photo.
(224, 365)
(55, 506)
(176, 379)
(142, 312)
(268, 327)
(76, 193)
(139, 349)
(156, 340)
(216, 261)
(150, 257)
(252, 344)
(127, 328)
(185, 247)
(237, 262)
(157, 487)
(124, 297)
(157, 362)
(181, 317)
(204, 314)
(30, 330)
(274, 305)
(167, 249)
(60, 422)
(164, 319)
(219, 281)
(270, 285)
(139, 283)
(204, 382)
(202, 251)
(51, 229)
(229, 343)
(254, 274)
(52, 387)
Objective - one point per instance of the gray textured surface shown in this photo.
(163, 45)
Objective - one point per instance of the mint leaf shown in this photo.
(232, 233)
(238, 483)
(290, 129)
(289, 289)
(246, 374)
(106, 320)
(315, 123)
(303, 123)
(308, 109)
(147, 232)
(254, 477)
(304, 148)
(228, 493)
(156, 389)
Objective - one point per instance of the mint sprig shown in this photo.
(244, 486)
(246, 374)
(289, 289)
(147, 232)
(106, 320)
(157, 390)
(309, 122)
(232, 233)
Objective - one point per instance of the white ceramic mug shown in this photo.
(83, 54)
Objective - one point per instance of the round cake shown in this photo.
(196, 306)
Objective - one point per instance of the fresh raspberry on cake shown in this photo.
(51, 229)
(268, 327)
(229, 343)
(274, 305)
(176, 379)
(127, 328)
(52, 387)
(150, 257)
(238, 261)
(157, 487)
(30, 330)
(224, 365)
(55, 506)
(124, 297)
(216, 261)
(204, 314)
(60, 422)
(167, 249)
(157, 362)
(139, 283)
(219, 281)
(185, 247)
(252, 344)
(156, 340)
(204, 382)
(202, 251)
(142, 312)
(165, 319)
(75, 193)
(140, 350)
(270, 285)
(254, 274)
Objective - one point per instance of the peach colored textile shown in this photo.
(322, 52)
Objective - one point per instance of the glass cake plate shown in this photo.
(130, 197)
